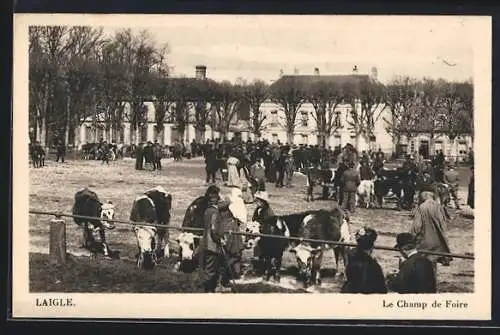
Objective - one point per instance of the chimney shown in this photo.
(355, 69)
(201, 72)
(295, 71)
(374, 73)
(316, 71)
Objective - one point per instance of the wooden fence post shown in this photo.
(57, 246)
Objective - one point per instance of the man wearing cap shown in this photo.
(350, 181)
(429, 226)
(363, 273)
(416, 272)
(451, 179)
(258, 173)
(409, 182)
(212, 257)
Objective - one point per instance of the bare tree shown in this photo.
(203, 94)
(401, 99)
(290, 94)
(255, 94)
(367, 103)
(325, 96)
(225, 104)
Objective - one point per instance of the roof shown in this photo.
(339, 79)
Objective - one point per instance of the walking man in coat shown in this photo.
(61, 151)
(211, 164)
(350, 181)
(139, 158)
(416, 272)
(429, 226)
(451, 179)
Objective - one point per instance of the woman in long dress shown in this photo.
(233, 178)
(233, 218)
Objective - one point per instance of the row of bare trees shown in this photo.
(79, 72)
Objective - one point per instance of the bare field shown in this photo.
(52, 188)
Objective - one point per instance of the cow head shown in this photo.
(107, 213)
(146, 241)
(186, 246)
(305, 255)
(253, 228)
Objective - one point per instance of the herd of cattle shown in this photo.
(155, 205)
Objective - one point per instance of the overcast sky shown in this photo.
(254, 47)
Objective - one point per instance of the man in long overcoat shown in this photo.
(139, 157)
(429, 227)
(350, 182)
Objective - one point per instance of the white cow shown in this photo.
(365, 193)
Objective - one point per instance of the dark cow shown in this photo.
(154, 206)
(37, 155)
(87, 204)
(315, 224)
(321, 225)
(388, 181)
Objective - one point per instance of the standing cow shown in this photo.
(321, 225)
(188, 241)
(87, 204)
(154, 206)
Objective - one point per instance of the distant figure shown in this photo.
(139, 157)
(61, 151)
(350, 181)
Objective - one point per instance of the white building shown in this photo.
(274, 126)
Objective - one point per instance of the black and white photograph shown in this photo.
(252, 166)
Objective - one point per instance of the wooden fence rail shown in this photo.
(57, 246)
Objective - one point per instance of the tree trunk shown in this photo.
(43, 133)
(326, 140)
(289, 137)
(76, 138)
(68, 121)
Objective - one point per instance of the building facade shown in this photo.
(274, 129)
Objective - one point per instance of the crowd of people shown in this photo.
(221, 253)
(246, 173)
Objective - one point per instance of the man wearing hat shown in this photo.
(364, 274)
(416, 272)
(451, 179)
(212, 256)
(429, 226)
(350, 181)
(409, 182)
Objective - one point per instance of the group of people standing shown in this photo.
(221, 253)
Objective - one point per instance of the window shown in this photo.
(337, 119)
(337, 141)
(412, 146)
(275, 138)
(305, 139)
(438, 144)
(274, 119)
(304, 118)
(88, 134)
(144, 133)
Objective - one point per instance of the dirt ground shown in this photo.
(52, 188)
